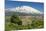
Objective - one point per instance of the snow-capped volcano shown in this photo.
(23, 10)
(26, 9)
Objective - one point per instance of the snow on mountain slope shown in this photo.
(25, 9)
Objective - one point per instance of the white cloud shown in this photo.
(26, 9)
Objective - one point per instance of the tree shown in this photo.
(15, 19)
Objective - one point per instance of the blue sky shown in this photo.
(13, 4)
